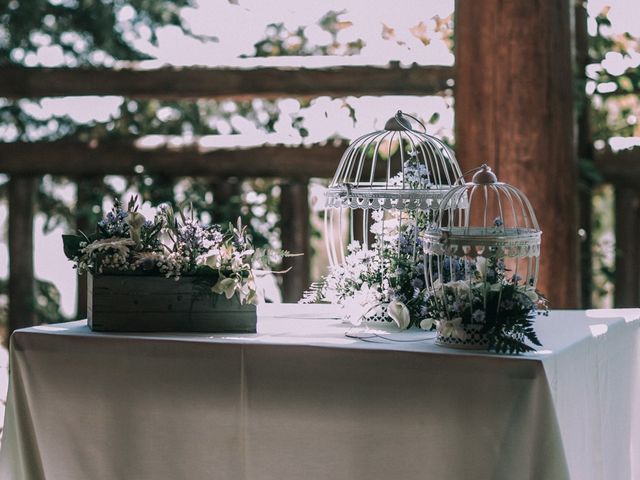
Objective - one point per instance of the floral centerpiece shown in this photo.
(384, 192)
(482, 274)
(383, 281)
(482, 306)
(216, 265)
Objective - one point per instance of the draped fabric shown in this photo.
(300, 400)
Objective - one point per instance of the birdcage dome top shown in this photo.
(484, 217)
(398, 167)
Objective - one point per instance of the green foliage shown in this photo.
(280, 41)
(605, 124)
(46, 302)
(80, 28)
(47, 307)
(614, 113)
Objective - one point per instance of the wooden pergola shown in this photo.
(514, 110)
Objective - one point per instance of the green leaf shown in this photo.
(71, 244)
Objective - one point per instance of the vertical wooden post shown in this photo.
(22, 199)
(627, 279)
(585, 154)
(514, 111)
(225, 199)
(295, 231)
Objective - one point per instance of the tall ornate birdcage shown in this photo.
(384, 193)
(482, 261)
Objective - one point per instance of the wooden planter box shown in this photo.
(139, 303)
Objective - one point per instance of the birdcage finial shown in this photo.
(484, 176)
(398, 123)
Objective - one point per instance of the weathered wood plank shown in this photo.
(627, 216)
(80, 159)
(265, 82)
(22, 198)
(138, 303)
(514, 110)
(295, 231)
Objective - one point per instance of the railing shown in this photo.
(24, 162)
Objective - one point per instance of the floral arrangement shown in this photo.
(481, 295)
(170, 245)
(389, 272)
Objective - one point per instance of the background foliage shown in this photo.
(105, 33)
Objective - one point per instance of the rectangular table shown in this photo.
(300, 400)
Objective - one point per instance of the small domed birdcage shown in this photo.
(383, 193)
(482, 261)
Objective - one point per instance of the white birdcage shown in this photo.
(482, 262)
(383, 193)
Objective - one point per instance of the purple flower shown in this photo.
(507, 304)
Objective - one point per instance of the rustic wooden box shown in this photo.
(140, 303)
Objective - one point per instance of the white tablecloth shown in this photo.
(300, 400)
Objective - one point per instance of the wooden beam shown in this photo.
(265, 82)
(627, 215)
(22, 198)
(79, 159)
(295, 232)
(514, 110)
(621, 167)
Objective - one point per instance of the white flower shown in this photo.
(399, 313)
(226, 286)
(460, 287)
(452, 328)
(426, 324)
(135, 220)
(247, 292)
(531, 294)
(361, 302)
(481, 266)
(120, 245)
